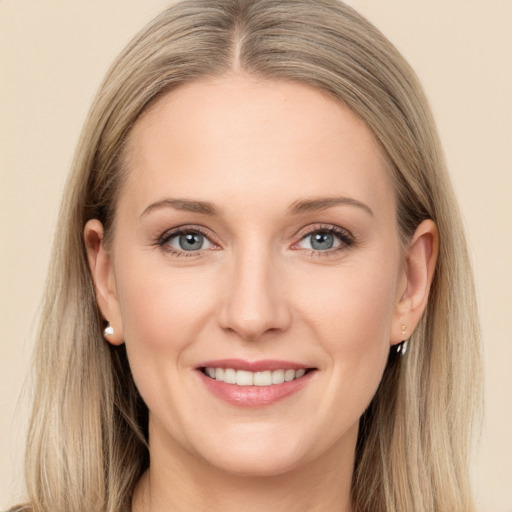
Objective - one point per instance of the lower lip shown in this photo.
(254, 396)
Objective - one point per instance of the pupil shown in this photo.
(322, 241)
(191, 241)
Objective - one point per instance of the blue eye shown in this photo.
(325, 239)
(188, 241)
(322, 241)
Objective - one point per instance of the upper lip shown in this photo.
(253, 366)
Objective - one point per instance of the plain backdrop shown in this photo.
(53, 55)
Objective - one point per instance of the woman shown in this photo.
(248, 304)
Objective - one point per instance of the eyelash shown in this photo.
(346, 238)
(163, 240)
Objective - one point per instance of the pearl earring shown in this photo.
(108, 331)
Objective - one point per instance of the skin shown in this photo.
(256, 290)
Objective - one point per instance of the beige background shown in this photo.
(53, 54)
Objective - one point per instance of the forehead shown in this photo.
(239, 137)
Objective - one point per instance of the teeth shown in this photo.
(243, 378)
(246, 378)
(278, 377)
(230, 376)
(289, 375)
(263, 378)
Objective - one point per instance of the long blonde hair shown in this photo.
(87, 442)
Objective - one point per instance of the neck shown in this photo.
(178, 481)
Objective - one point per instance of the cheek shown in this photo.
(162, 311)
(352, 322)
(355, 307)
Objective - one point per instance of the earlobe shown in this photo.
(420, 263)
(100, 264)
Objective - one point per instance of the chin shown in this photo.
(257, 452)
(257, 464)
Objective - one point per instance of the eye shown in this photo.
(325, 239)
(320, 241)
(185, 241)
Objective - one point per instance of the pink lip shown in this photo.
(253, 396)
(253, 366)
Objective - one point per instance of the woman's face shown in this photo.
(255, 240)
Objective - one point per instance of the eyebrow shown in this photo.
(185, 205)
(296, 208)
(322, 203)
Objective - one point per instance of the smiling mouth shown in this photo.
(248, 378)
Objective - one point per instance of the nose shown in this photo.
(255, 302)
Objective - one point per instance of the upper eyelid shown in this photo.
(313, 228)
(187, 228)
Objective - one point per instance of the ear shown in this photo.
(419, 266)
(100, 263)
